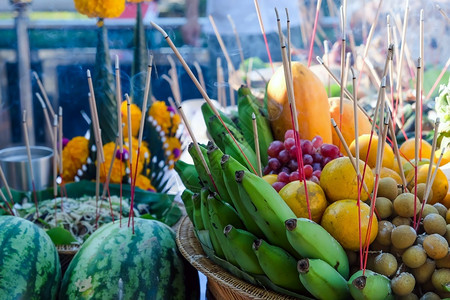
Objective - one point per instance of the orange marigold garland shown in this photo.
(100, 8)
(75, 155)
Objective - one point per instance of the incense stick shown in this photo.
(108, 178)
(316, 19)
(55, 162)
(47, 118)
(5, 183)
(288, 38)
(6, 202)
(261, 26)
(119, 127)
(60, 144)
(30, 163)
(256, 140)
(200, 89)
(442, 12)
(433, 150)
(343, 84)
(417, 132)
(172, 103)
(231, 90)
(200, 74)
(130, 160)
(219, 81)
(326, 46)
(236, 35)
(95, 122)
(402, 47)
(221, 43)
(44, 93)
(174, 76)
(97, 188)
(397, 154)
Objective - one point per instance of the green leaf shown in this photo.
(61, 236)
(148, 217)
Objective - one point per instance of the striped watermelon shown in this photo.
(115, 264)
(29, 263)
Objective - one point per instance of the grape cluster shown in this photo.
(283, 159)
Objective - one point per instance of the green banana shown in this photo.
(229, 167)
(214, 157)
(371, 286)
(311, 240)
(278, 265)
(186, 197)
(207, 223)
(207, 116)
(188, 175)
(241, 242)
(245, 91)
(205, 180)
(197, 213)
(215, 130)
(231, 148)
(266, 206)
(247, 107)
(221, 215)
(322, 280)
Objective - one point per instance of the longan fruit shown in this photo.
(429, 209)
(436, 246)
(387, 187)
(385, 264)
(443, 262)
(384, 207)
(440, 278)
(414, 256)
(384, 233)
(441, 209)
(397, 221)
(403, 236)
(424, 272)
(403, 284)
(434, 223)
(447, 217)
(421, 192)
(430, 296)
(447, 233)
(404, 205)
(397, 252)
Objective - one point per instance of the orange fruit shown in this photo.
(386, 172)
(340, 219)
(446, 200)
(407, 149)
(338, 180)
(271, 178)
(440, 184)
(445, 159)
(395, 167)
(294, 195)
(363, 140)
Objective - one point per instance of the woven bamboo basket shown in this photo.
(221, 284)
(66, 254)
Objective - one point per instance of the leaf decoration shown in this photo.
(61, 236)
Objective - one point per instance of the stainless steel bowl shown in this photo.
(14, 162)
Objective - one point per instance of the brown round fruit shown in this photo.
(435, 246)
(434, 223)
(421, 192)
(387, 187)
(403, 236)
(384, 233)
(447, 233)
(385, 264)
(410, 296)
(397, 221)
(441, 208)
(404, 205)
(424, 272)
(429, 209)
(384, 207)
(443, 262)
(414, 256)
(441, 279)
(403, 284)
(430, 296)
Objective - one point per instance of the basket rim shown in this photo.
(191, 249)
(68, 249)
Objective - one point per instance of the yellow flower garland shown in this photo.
(165, 117)
(136, 115)
(100, 8)
(75, 154)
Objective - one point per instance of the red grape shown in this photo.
(293, 152)
(329, 150)
(307, 147)
(308, 171)
(274, 148)
(316, 166)
(288, 143)
(283, 177)
(274, 164)
(293, 165)
(317, 141)
(289, 134)
(315, 179)
(284, 156)
(278, 185)
(294, 176)
(326, 160)
(286, 170)
(266, 170)
(307, 159)
(317, 173)
(317, 157)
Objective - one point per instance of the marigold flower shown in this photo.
(136, 115)
(118, 170)
(100, 8)
(75, 154)
(143, 155)
(144, 183)
(173, 150)
(165, 117)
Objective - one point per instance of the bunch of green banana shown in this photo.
(266, 207)
(247, 105)
(371, 286)
(207, 223)
(186, 197)
(322, 280)
(214, 158)
(205, 180)
(215, 127)
(278, 265)
(197, 219)
(188, 175)
(232, 148)
(230, 166)
(241, 242)
(311, 240)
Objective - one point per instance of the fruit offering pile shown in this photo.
(381, 234)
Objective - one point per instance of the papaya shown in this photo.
(311, 101)
(348, 124)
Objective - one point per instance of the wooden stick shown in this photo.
(230, 90)
(119, 104)
(261, 26)
(219, 81)
(6, 202)
(442, 12)
(97, 188)
(55, 160)
(288, 38)
(304, 28)
(200, 74)
(130, 144)
(5, 183)
(60, 140)
(30, 161)
(95, 122)
(355, 120)
(172, 103)
(438, 79)
(256, 140)
(199, 87)
(316, 19)
(417, 133)
(351, 39)
(402, 47)
(348, 57)
(44, 93)
(47, 118)
(174, 75)
(108, 176)
(326, 46)
(343, 84)
(433, 150)
(397, 152)
(236, 35)
(221, 43)
(144, 103)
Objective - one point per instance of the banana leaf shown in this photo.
(161, 206)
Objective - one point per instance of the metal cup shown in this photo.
(14, 162)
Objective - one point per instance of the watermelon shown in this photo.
(29, 262)
(114, 263)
